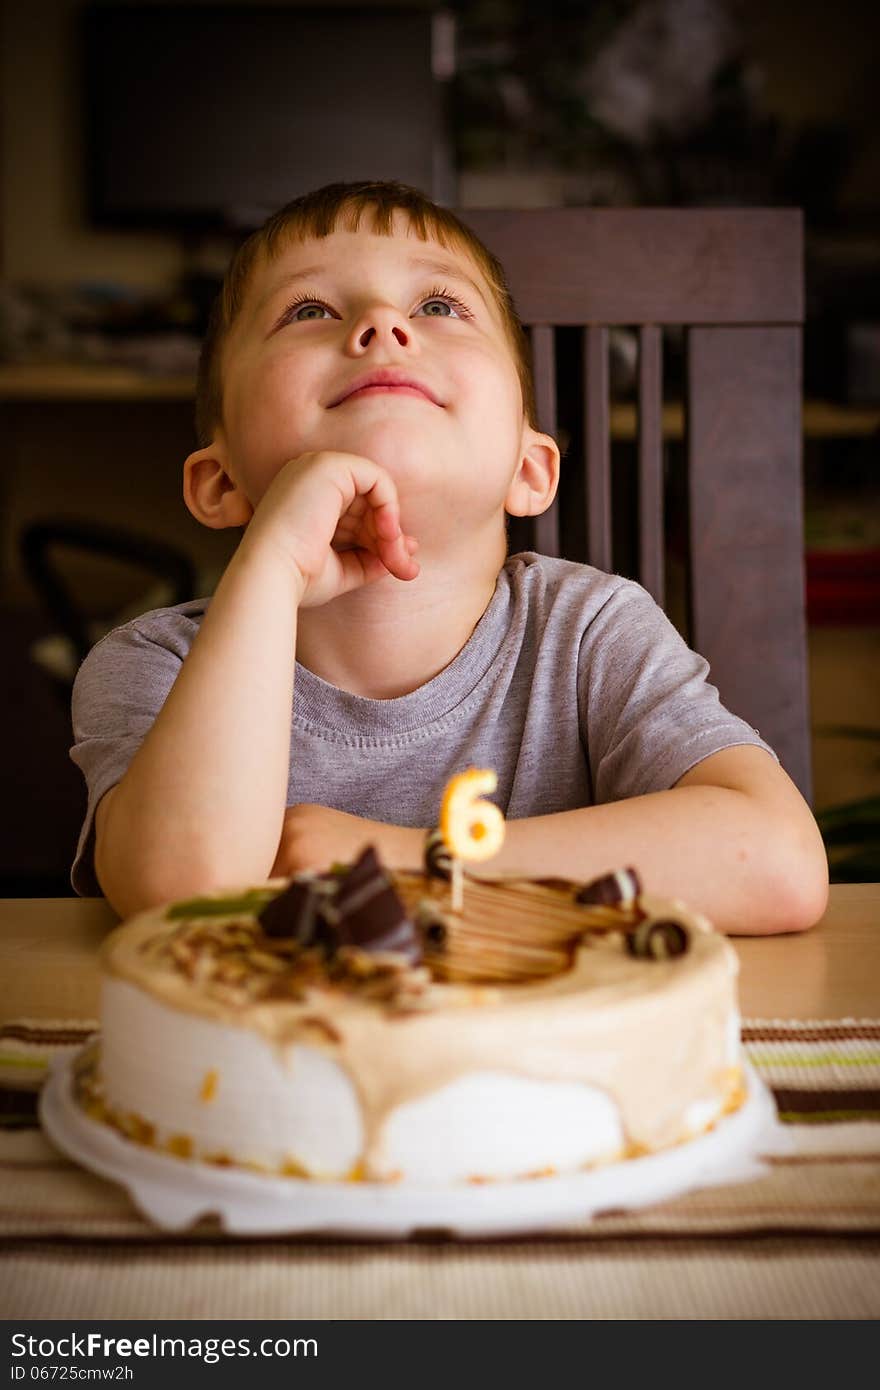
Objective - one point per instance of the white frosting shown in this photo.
(700, 1114)
(734, 1043)
(281, 1103)
(503, 1126)
(291, 1103)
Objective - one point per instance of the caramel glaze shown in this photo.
(652, 1034)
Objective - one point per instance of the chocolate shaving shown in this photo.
(437, 857)
(620, 889)
(298, 913)
(368, 913)
(432, 925)
(658, 939)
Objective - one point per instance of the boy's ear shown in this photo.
(537, 477)
(211, 493)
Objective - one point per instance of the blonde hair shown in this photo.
(318, 214)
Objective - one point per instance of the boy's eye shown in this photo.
(440, 303)
(437, 309)
(442, 306)
(307, 309)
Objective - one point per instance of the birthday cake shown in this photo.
(388, 1026)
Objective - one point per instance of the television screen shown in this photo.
(208, 116)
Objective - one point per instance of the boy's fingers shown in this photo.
(359, 567)
(387, 521)
(376, 487)
(374, 507)
(395, 548)
(398, 559)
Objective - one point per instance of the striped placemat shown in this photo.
(820, 1201)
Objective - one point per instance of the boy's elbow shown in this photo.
(144, 886)
(136, 873)
(805, 902)
(128, 888)
(799, 882)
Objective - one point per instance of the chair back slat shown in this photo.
(746, 531)
(545, 528)
(727, 563)
(597, 434)
(650, 462)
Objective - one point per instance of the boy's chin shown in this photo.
(404, 447)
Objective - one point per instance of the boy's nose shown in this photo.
(397, 332)
(381, 324)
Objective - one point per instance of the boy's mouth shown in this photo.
(385, 379)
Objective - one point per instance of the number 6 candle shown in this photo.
(472, 827)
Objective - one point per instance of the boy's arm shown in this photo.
(733, 838)
(202, 803)
(183, 802)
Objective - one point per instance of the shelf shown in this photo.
(67, 382)
(822, 420)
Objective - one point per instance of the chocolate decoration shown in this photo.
(298, 912)
(658, 939)
(438, 857)
(620, 889)
(365, 869)
(431, 924)
(367, 912)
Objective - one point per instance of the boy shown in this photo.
(365, 412)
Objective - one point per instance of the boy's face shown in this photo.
(385, 346)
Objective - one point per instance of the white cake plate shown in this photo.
(174, 1193)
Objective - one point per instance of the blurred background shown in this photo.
(141, 142)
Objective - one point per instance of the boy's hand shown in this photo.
(336, 518)
(314, 837)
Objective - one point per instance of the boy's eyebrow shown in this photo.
(438, 266)
(449, 268)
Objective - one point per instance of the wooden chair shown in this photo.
(732, 280)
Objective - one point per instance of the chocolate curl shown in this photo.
(620, 889)
(437, 856)
(298, 912)
(432, 925)
(658, 939)
(367, 912)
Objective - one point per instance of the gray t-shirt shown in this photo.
(574, 686)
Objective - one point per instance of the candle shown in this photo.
(472, 827)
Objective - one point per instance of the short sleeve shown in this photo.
(119, 689)
(648, 712)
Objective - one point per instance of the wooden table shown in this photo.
(832, 971)
(48, 949)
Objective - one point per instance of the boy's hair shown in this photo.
(317, 214)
